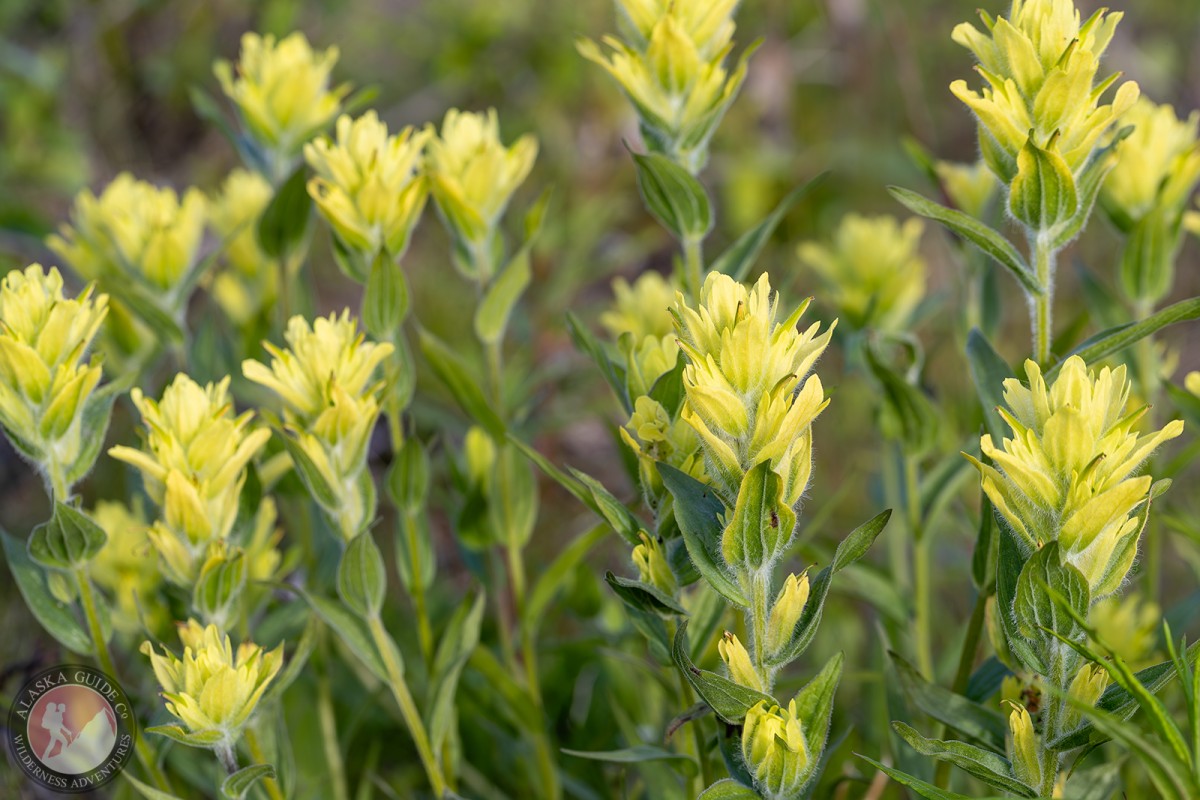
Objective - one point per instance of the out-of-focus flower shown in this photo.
(650, 558)
(1146, 195)
(872, 271)
(642, 308)
(127, 565)
(324, 379)
(672, 68)
(46, 384)
(135, 230)
(970, 187)
(194, 467)
(367, 184)
(282, 93)
(213, 690)
(775, 750)
(1192, 383)
(250, 283)
(1130, 624)
(472, 177)
(1066, 473)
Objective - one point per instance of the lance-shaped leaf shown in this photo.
(968, 718)
(456, 377)
(1036, 611)
(361, 576)
(1009, 565)
(55, 617)
(814, 705)
(643, 596)
(238, 784)
(284, 221)
(613, 372)
(458, 643)
(741, 255)
(923, 788)
(698, 511)
(728, 789)
(1114, 340)
(638, 754)
(992, 769)
(729, 700)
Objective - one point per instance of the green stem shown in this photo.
(424, 630)
(60, 492)
(922, 567)
(1148, 368)
(228, 759)
(329, 734)
(962, 676)
(256, 752)
(760, 589)
(87, 599)
(1042, 304)
(693, 265)
(408, 709)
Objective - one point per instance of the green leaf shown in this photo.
(992, 769)
(643, 596)
(144, 306)
(741, 255)
(974, 231)
(927, 790)
(491, 318)
(614, 373)
(953, 710)
(1088, 187)
(297, 658)
(361, 576)
(673, 196)
(555, 576)
(97, 411)
(814, 703)
(68, 541)
(698, 511)
(449, 367)
(307, 470)
(385, 300)
(728, 789)
(1043, 194)
(237, 784)
(284, 222)
(220, 586)
(1114, 340)
(458, 642)
(350, 629)
(408, 478)
(58, 619)
(513, 501)
(637, 755)
(616, 513)
(1009, 564)
(730, 701)
(989, 371)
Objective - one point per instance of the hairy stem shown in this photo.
(1042, 304)
(922, 567)
(693, 266)
(760, 593)
(417, 588)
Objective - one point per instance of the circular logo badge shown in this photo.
(71, 728)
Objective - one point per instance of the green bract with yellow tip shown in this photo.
(1066, 475)
(193, 466)
(46, 381)
(776, 751)
(367, 184)
(213, 689)
(672, 68)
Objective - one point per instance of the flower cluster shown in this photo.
(1041, 111)
(332, 405)
(214, 689)
(135, 231)
(282, 94)
(872, 271)
(367, 184)
(194, 467)
(472, 176)
(776, 750)
(1066, 474)
(126, 565)
(672, 67)
(46, 383)
(248, 285)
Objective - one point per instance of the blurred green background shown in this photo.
(89, 89)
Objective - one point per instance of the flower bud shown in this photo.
(1086, 687)
(213, 690)
(1192, 383)
(872, 271)
(1023, 748)
(788, 608)
(472, 177)
(136, 231)
(367, 186)
(672, 68)
(775, 751)
(281, 91)
(747, 394)
(650, 558)
(46, 384)
(330, 410)
(737, 659)
(1066, 474)
(193, 466)
(479, 451)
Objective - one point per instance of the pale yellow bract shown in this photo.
(250, 284)
(213, 689)
(1158, 165)
(1066, 474)
(775, 750)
